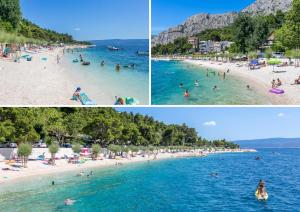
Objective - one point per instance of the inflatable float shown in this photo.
(276, 91)
(75, 61)
(260, 197)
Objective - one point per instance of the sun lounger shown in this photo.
(278, 72)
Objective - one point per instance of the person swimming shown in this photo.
(53, 183)
(80, 174)
(186, 93)
(181, 85)
(215, 88)
(102, 63)
(214, 174)
(197, 83)
(69, 202)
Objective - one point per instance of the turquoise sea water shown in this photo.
(169, 185)
(167, 75)
(102, 84)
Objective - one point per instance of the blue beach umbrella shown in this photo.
(254, 63)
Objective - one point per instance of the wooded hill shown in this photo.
(104, 126)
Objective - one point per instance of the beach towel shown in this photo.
(85, 100)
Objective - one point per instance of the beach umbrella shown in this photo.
(254, 62)
(273, 62)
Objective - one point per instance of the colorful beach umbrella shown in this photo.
(273, 62)
(254, 62)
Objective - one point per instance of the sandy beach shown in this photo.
(259, 79)
(39, 168)
(37, 82)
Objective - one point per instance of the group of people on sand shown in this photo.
(276, 83)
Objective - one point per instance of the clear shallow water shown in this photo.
(167, 75)
(100, 81)
(170, 185)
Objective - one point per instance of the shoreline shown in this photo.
(37, 168)
(259, 79)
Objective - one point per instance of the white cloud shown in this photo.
(210, 124)
(280, 114)
(77, 29)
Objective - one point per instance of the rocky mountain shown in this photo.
(201, 22)
(268, 6)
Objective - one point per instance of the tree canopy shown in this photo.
(103, 126)
(10, 13)
(288, 36)
(180, 46)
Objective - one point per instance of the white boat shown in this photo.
(113, 48)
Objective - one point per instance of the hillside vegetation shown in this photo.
(104, 126)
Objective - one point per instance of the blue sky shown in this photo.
(231, 123)
(168, 13)
(91, 19)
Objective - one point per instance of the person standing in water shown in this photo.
(102, 63)
(224, 76)
(118, 67)
(186, 93)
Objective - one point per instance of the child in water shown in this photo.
(186, 94)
